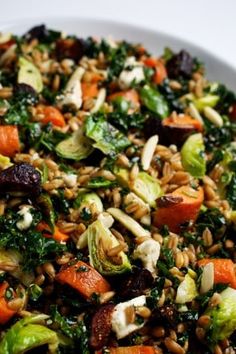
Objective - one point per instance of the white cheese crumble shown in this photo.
(119, 320)
(26, 220)
(127, 77)
(72, 95)
(148, 252)
(70, 180)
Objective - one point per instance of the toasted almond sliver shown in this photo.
(213, 116)
(100, 100)
(148, 151)
(207, 281)
(128, 222)
(194, 112)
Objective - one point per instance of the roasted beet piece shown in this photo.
(43, 34)
(153, 126)
(72, 48)
(134, 284)
(38, 32)
(168, 134)
(232, 114)
(177, 134)
(24, 89)
(166, 314)
(101, 326)
(25, 93)
(21, 178)
(180, 65)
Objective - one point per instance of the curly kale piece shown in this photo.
(18, 113)
(34, 248)
(73, 329)
(218, 138)
(227, 98)
(231, 192)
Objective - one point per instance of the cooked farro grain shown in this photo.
(114, 251)
(173, 347)
(213, 249)
(130, 314)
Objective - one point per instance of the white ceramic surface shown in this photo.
(155, 41)
(208, 23)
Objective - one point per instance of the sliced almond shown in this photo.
(207, 280)
(194, 112)
(128, 222)
(213, 116)
(99, 101)
(148, 151)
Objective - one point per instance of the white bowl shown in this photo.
(154, 41)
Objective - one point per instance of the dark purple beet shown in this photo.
(38, 32)
(166, 314)
(72, 48)
(22, 178)
(168, 134)
(177, 134)
(152, 126)
(135, 284)
(180, 65)
(101, 326)
(24, 89)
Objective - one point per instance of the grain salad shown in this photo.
(117, 199)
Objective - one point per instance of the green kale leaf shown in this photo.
(106, 137)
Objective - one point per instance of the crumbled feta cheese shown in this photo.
(26, 220)
(148, 252)
(72, 95)
(127, 77)
(70, 180)
(119, 320)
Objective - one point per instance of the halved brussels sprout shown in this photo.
(192, 155)
(86, 199)
(187, 290)
(145, 186)
(76, 147)
(223, 317)
(206, 101)
(27, 334)
(11, 260)
(29, 74)
(100, 241)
